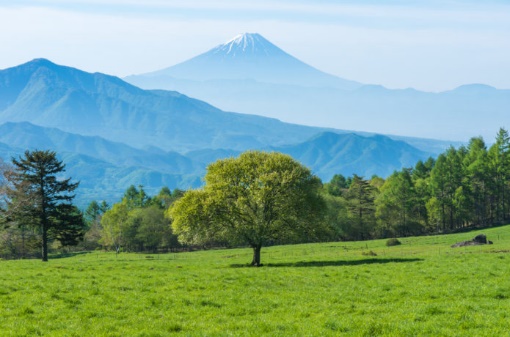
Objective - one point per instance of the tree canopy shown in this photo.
(256, 199)
(138, 222)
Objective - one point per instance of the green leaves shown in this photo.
(138, 222)
(255, 199)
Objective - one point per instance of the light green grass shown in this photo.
(421, 288)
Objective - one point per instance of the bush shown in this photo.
(393, 242)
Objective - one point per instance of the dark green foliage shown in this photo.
(393, 242)
(68, 225)
(165, 197)
(136, 198)
(464, 187)
(360, 197)
(397, 206)
(38, 198)
(337, 185)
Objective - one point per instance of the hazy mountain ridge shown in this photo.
(467, 111)
(329, 153)
(107, 168)
(96, 104)
(104, 168)
(26, 135)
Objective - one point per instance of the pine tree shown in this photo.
(38, 198)
(361, 196)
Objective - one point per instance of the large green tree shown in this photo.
(256, 199)
(38, 197)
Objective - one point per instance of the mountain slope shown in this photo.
(46, 94)
(330, 153)
(29, 136)
(105, 169)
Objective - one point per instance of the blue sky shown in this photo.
(428, 45)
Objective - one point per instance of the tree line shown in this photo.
(258, 199)
(464, 187)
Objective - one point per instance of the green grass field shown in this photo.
(421, 288)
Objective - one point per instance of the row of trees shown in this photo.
(468, 186)
(259, 199)
(36, 213)
(138, 222)
(256, 199)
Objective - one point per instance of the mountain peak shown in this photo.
(40, 61)
(36, 63)
(247, 45)
(244, 38)
(474, 88)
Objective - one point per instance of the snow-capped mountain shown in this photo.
(247, 45)
(249, 74)
(246, 57)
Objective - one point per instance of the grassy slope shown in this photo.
(423, 287)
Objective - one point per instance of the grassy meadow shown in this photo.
(421, 288)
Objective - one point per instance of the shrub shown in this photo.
(393, 242)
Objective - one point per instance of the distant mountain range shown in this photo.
(47, 94)
(112, 134)
(107, 168)
(251, 75)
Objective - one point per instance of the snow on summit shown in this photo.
(247, 44)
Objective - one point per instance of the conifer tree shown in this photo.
(37, 197)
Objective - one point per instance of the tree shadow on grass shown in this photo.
(334, 263)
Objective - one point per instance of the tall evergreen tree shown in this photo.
(477, 181)
(37, 197)
(361, 196)
(499, 159)
(445, 179)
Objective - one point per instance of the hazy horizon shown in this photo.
(435, 46)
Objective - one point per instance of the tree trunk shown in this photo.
(23, 241)
(256, 255)
(44, 243)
